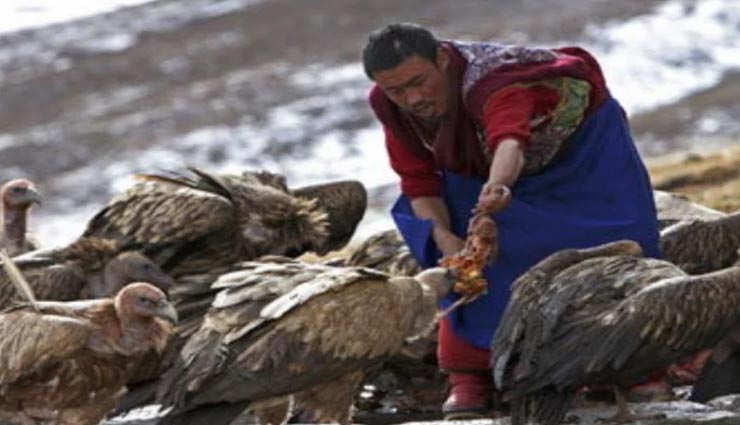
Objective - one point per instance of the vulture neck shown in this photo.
(141, 334)
(14, 226)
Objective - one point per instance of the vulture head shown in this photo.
(19, 194)
(438, 280)
(146, 316)
(435, 283)
(125, 268)
(17, 197)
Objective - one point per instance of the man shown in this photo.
(461, 120)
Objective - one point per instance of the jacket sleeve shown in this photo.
(419, 176)
(513, 111)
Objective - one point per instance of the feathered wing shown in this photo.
(657, 325)
(60, 282)
(308, 335)
(524, 310)
(344, 202)
(386, 252)
(31, 342)
(162, 211)
(702, 246)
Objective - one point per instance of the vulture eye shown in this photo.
(18, 189)
(144, 300)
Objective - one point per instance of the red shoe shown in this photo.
(471, 396)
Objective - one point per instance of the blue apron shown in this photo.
(596, 191)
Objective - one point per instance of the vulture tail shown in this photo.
(717, 379)
(209, 414)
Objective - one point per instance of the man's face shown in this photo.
(418, 86)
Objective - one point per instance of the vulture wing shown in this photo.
(623, 340)
(344, 202)
(524, 311)
(31, 342)
(387, 252)
(701, 246)
(162, 211)
(48, 282)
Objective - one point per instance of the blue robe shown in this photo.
(596, 191)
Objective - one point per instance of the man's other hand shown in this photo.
(447, 242)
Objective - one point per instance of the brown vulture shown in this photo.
(701, 246)
(189, 224)
(332, 325)
(603, 317)
(68, 362)
(17, 197)
(88, 268)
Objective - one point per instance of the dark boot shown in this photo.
(470, 396)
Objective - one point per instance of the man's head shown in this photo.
(408, 64)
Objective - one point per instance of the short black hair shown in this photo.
(387, 47)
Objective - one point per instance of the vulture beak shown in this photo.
(33, 196)
(166, 311)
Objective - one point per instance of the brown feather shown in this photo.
(385, 252)
(17, 278)
(344, 202)
(702, 246)
(72, 360)
(89, 268)
(191, 223)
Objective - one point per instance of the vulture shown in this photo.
(88, 268)
(68, 362)
(314, 340)
(701, 246)
(604, 316)
(191, 223)
(17, 197)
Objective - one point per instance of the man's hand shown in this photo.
(447, 242)
(493, 198)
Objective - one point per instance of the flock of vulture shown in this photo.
(186, 291)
